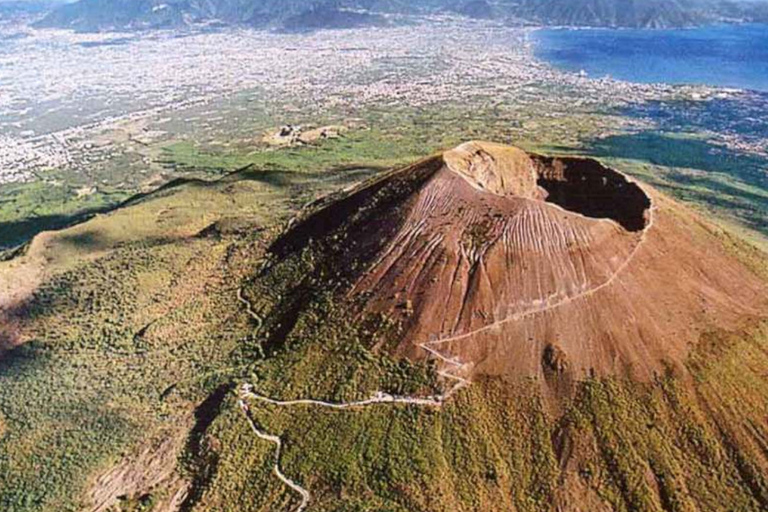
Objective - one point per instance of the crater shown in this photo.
(589, 188)
(579, 185)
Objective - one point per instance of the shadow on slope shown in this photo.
(16, 233)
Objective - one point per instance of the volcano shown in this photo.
(521, 332)
(522, 265)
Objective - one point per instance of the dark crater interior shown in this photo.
(587, 187)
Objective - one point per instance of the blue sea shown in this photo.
(721, 55)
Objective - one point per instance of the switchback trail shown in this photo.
(249, 308)
(454, 368)
(305, 496)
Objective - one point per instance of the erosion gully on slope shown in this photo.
(453, 371)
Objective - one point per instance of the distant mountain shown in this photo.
(330, 16)
(613, 13)
(96, 15)
(749, 11)
(11, 8)
(298, 15)
(478, 9)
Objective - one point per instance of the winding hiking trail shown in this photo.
(305, 496)
(453, 371)
(249, 308)
(246, 391)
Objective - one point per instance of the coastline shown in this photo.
(611, 53)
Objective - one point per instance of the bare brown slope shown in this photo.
(516, 265)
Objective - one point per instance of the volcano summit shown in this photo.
(521, 265)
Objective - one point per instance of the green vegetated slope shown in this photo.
(137, 335)
(617, 446)
(135, 324)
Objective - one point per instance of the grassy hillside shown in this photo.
(136, 322)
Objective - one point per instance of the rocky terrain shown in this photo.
(500, 258)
